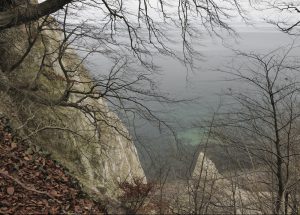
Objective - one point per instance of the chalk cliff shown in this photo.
(93, 145)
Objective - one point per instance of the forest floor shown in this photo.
(32, 183)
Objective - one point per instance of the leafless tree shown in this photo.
(287, 12)
(127, 87)
(126, 35)
(262, 122)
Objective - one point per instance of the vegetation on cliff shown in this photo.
(56, 105)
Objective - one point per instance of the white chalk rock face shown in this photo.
(204, 166)
(93, 145)
(219, 193)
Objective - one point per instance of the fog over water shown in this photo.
(205, 82)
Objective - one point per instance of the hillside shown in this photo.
(31, 182)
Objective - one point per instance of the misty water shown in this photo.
(206, 83)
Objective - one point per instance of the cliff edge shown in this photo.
(79, 132)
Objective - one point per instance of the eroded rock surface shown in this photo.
(95, 147)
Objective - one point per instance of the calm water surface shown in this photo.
(206, 83)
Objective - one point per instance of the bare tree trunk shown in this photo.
(280, 181)
(279, 160)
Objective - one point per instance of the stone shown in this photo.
(99, 154)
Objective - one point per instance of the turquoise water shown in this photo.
(206, 83)
(193, 136)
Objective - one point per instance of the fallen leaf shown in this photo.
(65, 178)
(40, 203)
(7, 137)
(10, 190)
(77, 209)
(5, 172)
(13, 145)
(45, 202)
(54, 193)
(29, 151)
(54, 210)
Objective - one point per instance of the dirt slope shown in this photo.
(31, 183)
